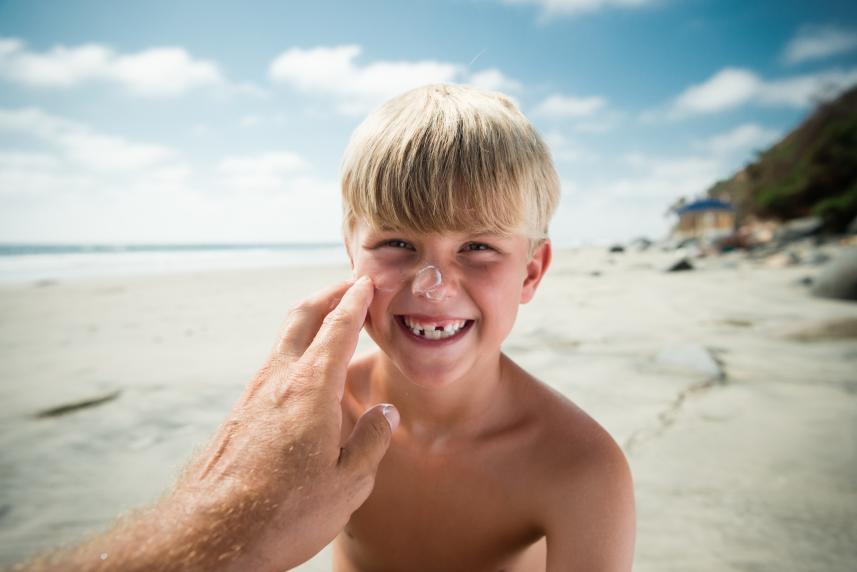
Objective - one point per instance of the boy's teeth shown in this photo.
(434, 331)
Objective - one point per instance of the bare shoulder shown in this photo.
(584, 493)
(357, 376)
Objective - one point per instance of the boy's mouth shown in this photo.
(434, 330)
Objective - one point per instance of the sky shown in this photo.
(225, 122)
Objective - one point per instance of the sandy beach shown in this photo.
(728, 387)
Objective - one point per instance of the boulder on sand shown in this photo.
(691, 357)
(799, 228)
(838, 279)
(678, 265)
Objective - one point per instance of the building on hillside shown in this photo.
(705, 219)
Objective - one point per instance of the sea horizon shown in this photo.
(22, 262)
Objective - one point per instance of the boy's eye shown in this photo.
(397, 243)
(476, 247)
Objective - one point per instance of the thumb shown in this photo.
(369, 440)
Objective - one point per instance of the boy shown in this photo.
(447, 194)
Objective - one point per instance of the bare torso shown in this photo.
(471, 503)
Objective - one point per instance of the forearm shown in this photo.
(166, 536)
(276, 483)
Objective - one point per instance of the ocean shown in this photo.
(22, 263)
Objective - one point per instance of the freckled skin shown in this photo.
(489, 469)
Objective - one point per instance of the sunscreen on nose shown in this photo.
(428, 282)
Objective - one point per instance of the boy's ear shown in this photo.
(536, 268)
(348, 238)
(348, 250)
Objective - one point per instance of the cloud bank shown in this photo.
(733, 87)
(357, 88)
(819, 42)
(155, 72)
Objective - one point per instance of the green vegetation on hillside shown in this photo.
(812, 171)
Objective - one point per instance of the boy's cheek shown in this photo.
(373, 317)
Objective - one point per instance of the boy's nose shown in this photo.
(429, 283)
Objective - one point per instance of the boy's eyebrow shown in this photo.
(490, 234)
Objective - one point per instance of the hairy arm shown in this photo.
(165, 536)
(276, 483)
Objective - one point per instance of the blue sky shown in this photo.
(225, 121)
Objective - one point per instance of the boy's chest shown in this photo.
(442, 512)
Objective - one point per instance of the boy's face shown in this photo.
(444, 302)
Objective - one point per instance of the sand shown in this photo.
(732, 394)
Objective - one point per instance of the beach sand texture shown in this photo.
(731, 393)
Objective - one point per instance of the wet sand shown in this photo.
(731, 389)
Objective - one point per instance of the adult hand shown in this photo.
(276, 484)
(277, 458)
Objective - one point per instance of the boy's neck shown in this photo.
(433, 417)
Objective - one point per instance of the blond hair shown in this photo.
(449, 158)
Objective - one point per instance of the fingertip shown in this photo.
(368, 288)
(391, 414)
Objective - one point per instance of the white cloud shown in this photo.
(818, 42)
(163, 71)
(564, 106)
(156, 72)
(264, 172)
(493, 80)
(732, 87)
(357, 88)
(334, 72)
(60, 192)
(740, 139)
(31, 174)
(308, 210)
(79, 144)
(564, 150)
(727, 88)
(805, 90)
(574, 7)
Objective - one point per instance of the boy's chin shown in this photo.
(433, 375)
(430, 377)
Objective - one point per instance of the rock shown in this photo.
(617, 248)
(67, 408)
(691, 357)
(679, 265)
(687, 243)
(817, 258)
(805, 281)
(836, 329)
(838, 279)
(783, 259)
(798, 228)
(641, 244)
(852, 226)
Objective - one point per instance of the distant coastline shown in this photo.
(34, 262)
(18, 248)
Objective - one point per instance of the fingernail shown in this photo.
(391, 414)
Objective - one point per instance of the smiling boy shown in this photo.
(448, 192)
